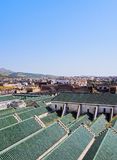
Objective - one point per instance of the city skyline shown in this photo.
(67, 38)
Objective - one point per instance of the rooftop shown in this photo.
(103, 98)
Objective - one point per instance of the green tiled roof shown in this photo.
(8, 112)
(81, 120)
(41, 104)
(36, 111)
(114, 119)
(102, 98)
(99, 125)
(7, 98)
(36, 145)
(14, 133)
(115, 125)
(93, 150)
(73, 146)
(6, 121)
(67, 119)
(37, 98)
(52, 117)
(108, 147)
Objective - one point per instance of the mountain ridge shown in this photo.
(5, 72)
(12, 74)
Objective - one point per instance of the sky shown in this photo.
(59, 37)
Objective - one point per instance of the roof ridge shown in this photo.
(89, 130)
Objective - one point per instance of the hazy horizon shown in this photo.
(64, 37)
(60, 75)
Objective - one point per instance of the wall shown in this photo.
(85, 107)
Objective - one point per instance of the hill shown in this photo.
(9, 73)
(5, 72)
(26, 75)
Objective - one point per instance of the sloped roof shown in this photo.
(73, 146)
(102, 98)
(115, 125)
(108, 147)
(36, 145)
(94, 148)
(7, 98)
(99, 125)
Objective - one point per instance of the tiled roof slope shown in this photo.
(108, 147)
(81, 120)
(6, 121)
(7, 98)
(115, 125)
(67, 119)
(16, 132)
(99, 125)
(31, 113)
(36, 145)
(50, 118)
(73, 146)
(103, 98)
(92, 151)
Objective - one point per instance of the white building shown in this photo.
(86, 103)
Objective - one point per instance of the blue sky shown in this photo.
(61, 37)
